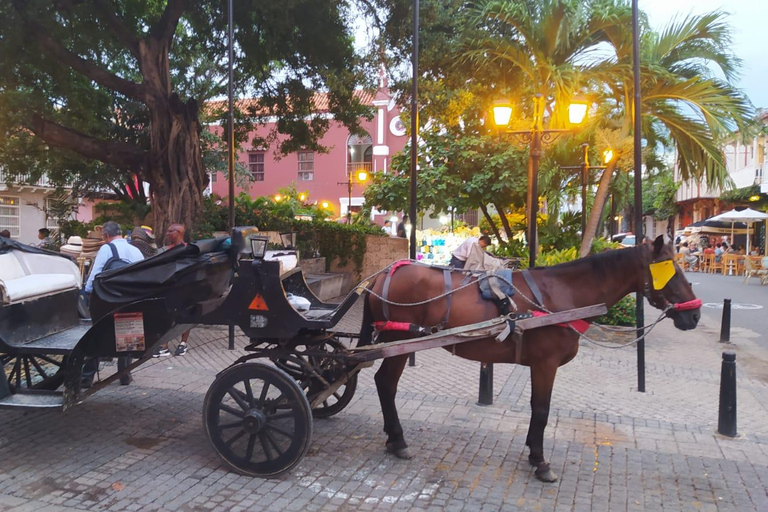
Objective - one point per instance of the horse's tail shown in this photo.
(366, 331)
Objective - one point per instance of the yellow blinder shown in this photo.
(661, 273)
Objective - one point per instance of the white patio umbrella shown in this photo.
(747, 216)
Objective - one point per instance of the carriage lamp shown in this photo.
(289, 239)
(258, 246)
(536, 136)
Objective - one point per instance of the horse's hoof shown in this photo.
(545, 474)
(400, 453)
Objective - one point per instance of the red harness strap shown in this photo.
(396, 265)
(685, 306)
(580, 325)
(399, 326)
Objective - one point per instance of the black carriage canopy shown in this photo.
(184, 275)
(6, 245)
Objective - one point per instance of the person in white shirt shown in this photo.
(112, 235)
(460, 255)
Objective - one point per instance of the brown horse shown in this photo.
(603, 278)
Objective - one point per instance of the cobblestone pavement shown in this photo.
(142, 447)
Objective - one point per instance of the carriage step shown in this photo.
(33, 400)
(62, 342)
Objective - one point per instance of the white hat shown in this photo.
(74, 246)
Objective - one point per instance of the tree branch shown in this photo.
(166, 27)
(120, 154)
(129, 40)
(82, 66)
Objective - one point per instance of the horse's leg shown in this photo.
(386, 384)
(542, 381)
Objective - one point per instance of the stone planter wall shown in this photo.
(380, 251)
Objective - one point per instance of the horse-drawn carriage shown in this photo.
(258, 415)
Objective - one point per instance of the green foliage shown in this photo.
(561, 233)
(314, 238)
(659, 195)
(557, 256)
(125, 213)
(622, 313)
(602, 244)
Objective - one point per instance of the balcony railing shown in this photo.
(25, 180)
(353, 167)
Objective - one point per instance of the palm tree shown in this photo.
(683, 99)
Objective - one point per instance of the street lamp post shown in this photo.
(362, 177)
(535, 137)
(585, 168)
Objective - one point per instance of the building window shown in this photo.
(9, 215)
(306, 165)
(256, 166)
(214, 177)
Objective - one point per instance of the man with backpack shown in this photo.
(115, 253)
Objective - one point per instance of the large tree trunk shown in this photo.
(504, 220)
(490, 223)
(597, 208)
(176, 176)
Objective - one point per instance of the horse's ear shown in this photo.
(658, 245)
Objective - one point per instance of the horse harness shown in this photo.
(661, 273)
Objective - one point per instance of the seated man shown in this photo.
(691, 259)
(459, 256)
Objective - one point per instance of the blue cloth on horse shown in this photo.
(503, 282)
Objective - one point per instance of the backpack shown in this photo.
(115, 261)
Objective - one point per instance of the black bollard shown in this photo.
(231, 337)
(412, 359)
(486, 384)
(725, 326)
(726, 422)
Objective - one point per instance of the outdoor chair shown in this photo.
(751, 270)
(680, 260)
(730, 264)
(716, 266)
(706, 262)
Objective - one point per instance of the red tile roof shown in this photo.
(320, 101)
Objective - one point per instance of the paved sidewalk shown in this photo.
(142, 447)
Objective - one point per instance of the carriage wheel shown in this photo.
(332, 369)
(257, 419)
(25, 371)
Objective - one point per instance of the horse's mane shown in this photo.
(601, 262)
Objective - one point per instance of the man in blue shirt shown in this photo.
(112, 235)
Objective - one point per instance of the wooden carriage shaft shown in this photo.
(466, 333)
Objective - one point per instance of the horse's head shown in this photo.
(667, 288)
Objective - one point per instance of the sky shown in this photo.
(749, 22)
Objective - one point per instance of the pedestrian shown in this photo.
(401, 227)
(44, 235)
(460, 255)
(174, 237)
(5, 233)
(387, 227)
(115, 253)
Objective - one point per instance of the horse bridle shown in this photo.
(664, 305)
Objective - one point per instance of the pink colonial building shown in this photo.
(325, 176)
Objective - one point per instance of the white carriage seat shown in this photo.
(25, 276)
